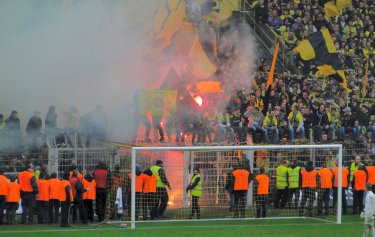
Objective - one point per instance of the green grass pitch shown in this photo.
(352, 226)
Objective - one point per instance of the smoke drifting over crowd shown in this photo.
(84, 53)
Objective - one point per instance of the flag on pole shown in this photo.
(364, 83)
(157, 102)
(200, 65)
(272, 71)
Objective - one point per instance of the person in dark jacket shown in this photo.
(51, 121)
(12, 129)
(162, 197)
(261, 12)
(65, 202)
(78, 190)
(320, 123)
(362, 120)
(34, 127)
(347, 121)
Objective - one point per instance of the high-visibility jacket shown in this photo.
(241, 180)
(360, 178)
(72, 181)
(149, 185)
(24, 181)
(345, 173)
(197, 190)
(293, 177)
(79, 175)
(325, 178)
(371, 175)
(263, 184)
(138, 182)
(3, 185)
(62, 192)
(91, 187)
(13, 193)
(309, 178)
(101, 178)
(155, 170)
(352, 169)
(281, 177)
(54, 188)
(43, 187)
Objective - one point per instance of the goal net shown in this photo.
(216, 195)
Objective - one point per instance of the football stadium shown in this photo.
(187, 118)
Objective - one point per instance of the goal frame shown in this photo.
(255, 147)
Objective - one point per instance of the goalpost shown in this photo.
(215, 164)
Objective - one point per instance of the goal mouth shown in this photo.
(217, 200)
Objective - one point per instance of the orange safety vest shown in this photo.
(360, 180)
(241, 181)
(371, 175)
(54, 188)
(309, 178)
(43, 187)
(263, 184)
(14, 190)
(345, 173)
(91, 186)
(3, 185)
(138, 182)
(79, 175)
(63, 185)
(325, 178)
(24, 181)
(149, 184)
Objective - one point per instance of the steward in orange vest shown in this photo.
(74, 168)
(371, 175)
(325, 179)
(29, 190)
(139, 181)
(42, 199)
(345, 178)
(66, 198)
(54, 196)
(358, 183)
(309, 184)
(149, 193)
(78, 190)
(88, 197)
(12, 199)
(240, 186)
(3, 192)
(262, 184)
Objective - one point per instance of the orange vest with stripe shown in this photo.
(241, 180)
(360, 180)
(345, 173)
(63, 185)
(263, 184)
(371, 175)
(325, 178)
(14, 190)
(54, 188)
(3, 185)
(149, 185)
(309, 178)
(91, 186)
(24, 181)
(43, 187)
(138, 182)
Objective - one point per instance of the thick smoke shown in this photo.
(82, 53)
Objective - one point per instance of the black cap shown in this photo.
(159, 162)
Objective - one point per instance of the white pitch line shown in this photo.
(171, 227)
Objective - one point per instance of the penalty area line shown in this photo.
(172, 227)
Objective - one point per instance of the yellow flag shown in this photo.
(270, 75)
(173, 23)
(200, 65)
(330, 9)
(364, 83)
(157, 102)
(342, 4)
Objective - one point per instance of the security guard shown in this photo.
(66, 198)
(54, 195)
(354, 166)
(371, 175)
(29, 190)
(162, 198)
(294, 177)
(240, 186)
(78, 190)
(196, 190)
(325, 178)
(42, 199)
(358, 184)
(88, 197)
(101, 178)
(149, 193)
(345, 178)
(308, 184)
(139, 181)
(262, 184)
(12, 199)
(3, 192)
(281, 184)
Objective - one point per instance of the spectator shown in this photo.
(34, 127)
(274, 21)
(51, 121)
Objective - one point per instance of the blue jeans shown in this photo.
(293, 131)
(343, 131)
(275, 134)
